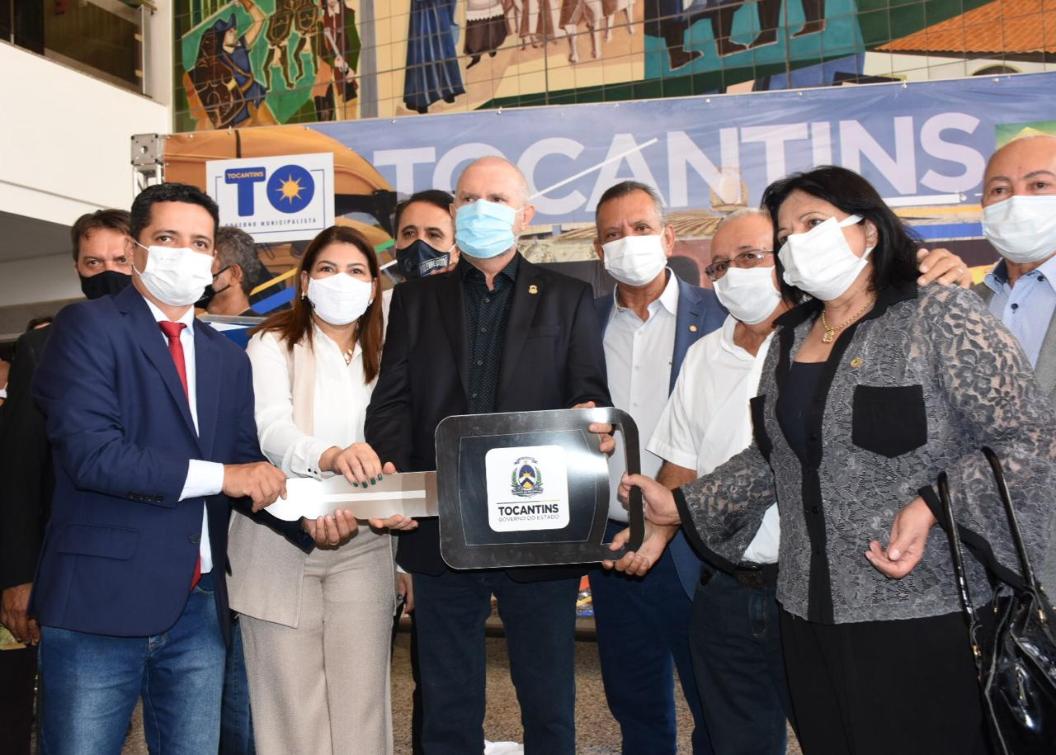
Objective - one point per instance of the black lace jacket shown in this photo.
(916, 387)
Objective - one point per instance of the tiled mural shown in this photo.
(257, 62)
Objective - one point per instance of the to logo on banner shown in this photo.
(285, 198)
(518, 499)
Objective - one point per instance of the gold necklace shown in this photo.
(830, 331)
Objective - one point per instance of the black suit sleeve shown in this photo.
(248, 452)
(389, 426)
(25, 469)
(585, 373)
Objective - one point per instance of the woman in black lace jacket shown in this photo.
(872, 388)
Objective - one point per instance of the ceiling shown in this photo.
(24, 238)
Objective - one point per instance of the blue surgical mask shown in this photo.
(484, 229)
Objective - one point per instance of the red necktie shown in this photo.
(172, 332)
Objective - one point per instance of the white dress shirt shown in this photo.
(707, 419)
(204, 478)
(340, 400)
(638, 358)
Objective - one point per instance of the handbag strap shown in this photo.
(957, 555)
(1027, 570)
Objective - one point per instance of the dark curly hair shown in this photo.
(895, 256)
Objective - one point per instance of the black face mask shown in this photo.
(210, 292)
(420, 260)
(102, 284)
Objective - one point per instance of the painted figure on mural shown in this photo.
(589, 12)
(610, 8)
(290, 15)
(223, 75)
(485, 28)
(432, 73)
(536, 21)
(337, 58)
(671, 19)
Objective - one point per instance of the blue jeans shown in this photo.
(740, 667)
(539, 619)
(90, 684)
(236, 722)
(642, 626)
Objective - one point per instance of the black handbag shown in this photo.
(1015, 655)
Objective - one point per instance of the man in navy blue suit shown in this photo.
(649, 322)
(150, 417)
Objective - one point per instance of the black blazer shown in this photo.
(26, 476)
(552, 359)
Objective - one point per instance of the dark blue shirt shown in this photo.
(486, 314)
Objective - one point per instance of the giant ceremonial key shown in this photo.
(514, 489)
(529, 488)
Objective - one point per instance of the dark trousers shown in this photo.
(236, 721)
(18, 672)
(740, 670)
(876, 687)
(539, 620)
(643, 634)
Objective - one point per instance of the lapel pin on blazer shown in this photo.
(533, 289)
(856, 362)
(692, 328)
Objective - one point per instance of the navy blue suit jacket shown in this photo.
(699, 313)
(120, 549)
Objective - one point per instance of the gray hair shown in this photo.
(236, 247)
(743, 212)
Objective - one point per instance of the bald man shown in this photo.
(496, 334)
(1019, 220)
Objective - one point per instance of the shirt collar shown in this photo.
(997, 278)
(159, 316)
(668, 298)
(726, 335)
(467, 272)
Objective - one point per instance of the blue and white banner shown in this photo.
(921, 144)
(283, 198)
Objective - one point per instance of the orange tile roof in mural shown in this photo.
(1009, 27)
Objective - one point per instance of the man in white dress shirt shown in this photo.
(735, 645)
(649, 322)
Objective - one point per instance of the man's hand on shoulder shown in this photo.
(944, 267)
(260, 481)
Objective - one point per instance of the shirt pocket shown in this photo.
(889, 421)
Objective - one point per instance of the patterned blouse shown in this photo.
(916, 387)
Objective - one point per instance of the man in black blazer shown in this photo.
(497, 334)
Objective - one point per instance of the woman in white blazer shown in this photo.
(316, 626)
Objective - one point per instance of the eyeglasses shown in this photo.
(749, 258)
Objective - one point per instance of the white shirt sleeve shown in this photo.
(294, 452)
(674, 440)
(203, 478)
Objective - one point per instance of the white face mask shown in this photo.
(1023, 227)
(635, 260)
(748, 293)
(176, 276)
(820, 262)
(340, 299)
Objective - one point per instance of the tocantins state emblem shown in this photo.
(527, 478)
